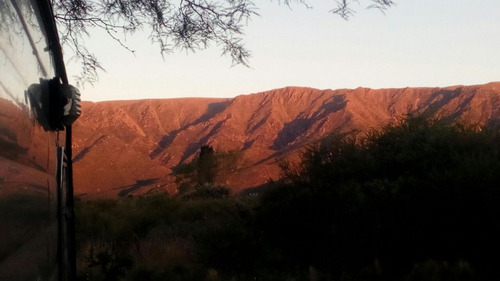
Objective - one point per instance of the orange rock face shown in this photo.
(130, 147)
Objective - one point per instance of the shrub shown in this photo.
(418, 190)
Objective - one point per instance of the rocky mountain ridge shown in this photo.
(129, 147)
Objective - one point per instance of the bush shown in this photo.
(419, 190)
(415, 201)
(162, 238)
(207, 191)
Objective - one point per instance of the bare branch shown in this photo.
(343, 9)
(185, 25)
(382, 5)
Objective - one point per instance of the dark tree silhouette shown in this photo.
(205, 176)
(206, 166)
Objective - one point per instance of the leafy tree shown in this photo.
(185, 24)
(205, 175)
(206, 166)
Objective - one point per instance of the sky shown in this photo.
(424, 43)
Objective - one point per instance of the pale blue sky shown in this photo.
(416, 43)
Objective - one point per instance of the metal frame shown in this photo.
(67, 254)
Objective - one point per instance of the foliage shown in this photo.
(186, 24)
(206, 191)
(159, 238)
(205, 175)
(205, 165)
(414, 201)
(420, 190)
(111, 266)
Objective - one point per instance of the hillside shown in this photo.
(130, 147)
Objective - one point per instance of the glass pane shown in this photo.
(28, 221)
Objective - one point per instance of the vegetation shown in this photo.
(205, 176)
(159, 238)
(172, 25)
(415, 201)
(389, 204)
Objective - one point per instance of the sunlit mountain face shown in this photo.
(125, 148)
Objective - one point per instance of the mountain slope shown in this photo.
(129, 147)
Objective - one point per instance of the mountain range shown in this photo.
(126, 148)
